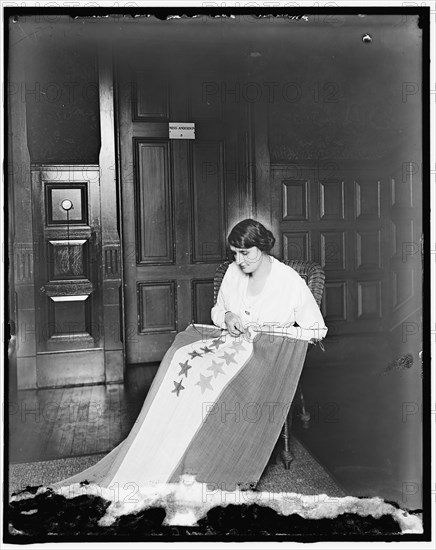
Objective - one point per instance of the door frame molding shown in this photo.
(111, 227)
(22, 315)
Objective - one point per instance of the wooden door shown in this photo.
(336, 215)
(67, 229)
(179, 196)
(362, 223)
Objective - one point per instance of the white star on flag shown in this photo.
(228, 357)
(216, 368)
(204, 383)
(237, 346)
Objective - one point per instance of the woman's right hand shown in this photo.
(233, 323)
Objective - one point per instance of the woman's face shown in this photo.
(248, 259)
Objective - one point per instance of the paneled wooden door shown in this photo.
(67, 228)
(361, 222)
(336, 214)
(179, 196)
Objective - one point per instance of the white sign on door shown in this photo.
(182, 130)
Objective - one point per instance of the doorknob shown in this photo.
(67, 205)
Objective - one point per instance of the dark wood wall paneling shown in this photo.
(362, 225)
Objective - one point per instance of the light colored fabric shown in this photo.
(222, 423)
(198, 374)
(285, 300)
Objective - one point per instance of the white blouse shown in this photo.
(284, 300)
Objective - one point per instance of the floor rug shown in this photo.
(305, 476)
(321, 510)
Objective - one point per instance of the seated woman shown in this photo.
(219, 399)
(260, 291)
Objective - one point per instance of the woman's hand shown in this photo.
(233, 324)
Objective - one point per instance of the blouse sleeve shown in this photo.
(219, 310)
(308, 314)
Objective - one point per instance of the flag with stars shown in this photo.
(215, 410)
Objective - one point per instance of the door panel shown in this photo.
(202, 295)
(362, 224)
(178, 197)
(207, 202)
(334, 218)
(154, 200)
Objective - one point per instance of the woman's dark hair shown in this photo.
(248, 233)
